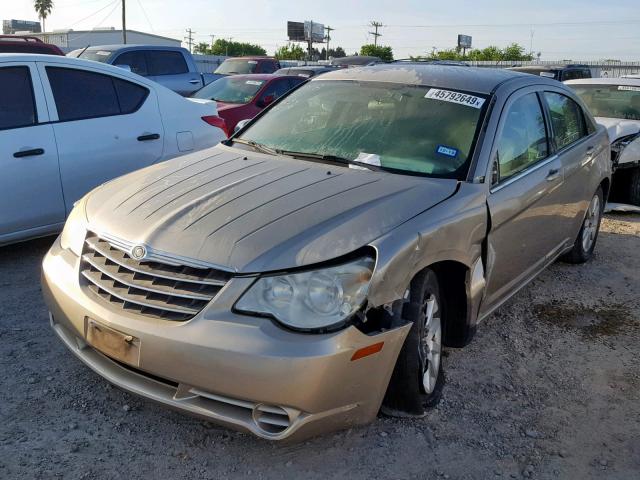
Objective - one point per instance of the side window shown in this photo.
(136, 61)
(130, 95)
(268, 67)
(523, 139)
(566, 119)
(294, 82)
(166, 63)
(80, 94)
(16, 97)
(277, 88)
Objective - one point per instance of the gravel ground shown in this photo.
(549, 388)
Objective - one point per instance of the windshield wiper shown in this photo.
(257, 146)
(330, 158)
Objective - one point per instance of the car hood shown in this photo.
(619, 127)
(251, 212)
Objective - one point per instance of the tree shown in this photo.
(384, 53)
(43, 9)
(512, 52)
(229, 49)
(291, 51)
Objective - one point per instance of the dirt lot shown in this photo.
(550, 388)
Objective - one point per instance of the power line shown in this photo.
(94, 13)
(144, 12)
(375, 34)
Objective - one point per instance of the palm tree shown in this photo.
(43, 8)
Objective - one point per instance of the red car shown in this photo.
(241, 97)
(20, 44)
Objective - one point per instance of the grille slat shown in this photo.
(150, 288)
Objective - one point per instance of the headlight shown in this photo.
(316, 299)
(75, 230)
(618, 145)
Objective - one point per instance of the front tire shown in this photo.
(585, 244)
(417, 380)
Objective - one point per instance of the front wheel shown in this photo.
(584, 245)
(417, 380)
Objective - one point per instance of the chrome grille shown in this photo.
(148, 287)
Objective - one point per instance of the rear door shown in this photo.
(30, 190)
(525, 202)
(105, 126)
(170, 68)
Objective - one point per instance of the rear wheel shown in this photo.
(417, 380)
(586, 242)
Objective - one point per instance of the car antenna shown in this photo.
(83, 50)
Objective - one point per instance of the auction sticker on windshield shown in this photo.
(629, 88)
(455, 97)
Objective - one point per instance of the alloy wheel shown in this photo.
(431, 344)
(591, 222)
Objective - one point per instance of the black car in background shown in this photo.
(557, 72)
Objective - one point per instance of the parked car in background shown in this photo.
(25, 44)
(68, 125)
(245, 65)
(315, 264)
(242, 97)
(173, 67)
(557, 72)
(306, 71)
(615, 102)
(355, 61)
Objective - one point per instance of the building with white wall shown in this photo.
(69, 40)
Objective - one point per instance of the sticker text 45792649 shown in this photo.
(455, 97)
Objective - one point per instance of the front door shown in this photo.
(30, 191)
(528, 227)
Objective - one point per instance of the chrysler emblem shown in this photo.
(138, 252)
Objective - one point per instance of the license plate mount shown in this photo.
(113, 343)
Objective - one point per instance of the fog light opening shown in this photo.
(270, 419)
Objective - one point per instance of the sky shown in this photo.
(558, 29)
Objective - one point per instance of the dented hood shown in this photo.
(618, 127)
(253, 213)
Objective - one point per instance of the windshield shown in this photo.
(613, 101)
(95, 55)
(231, 90)
(402, 127)
(231, 66)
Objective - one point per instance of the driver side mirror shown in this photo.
(266, 101)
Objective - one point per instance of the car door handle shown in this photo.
(29, 153)
(194, 81)
(553, 174)
(590, 151)
(150, 136)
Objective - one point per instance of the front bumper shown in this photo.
(242, 372)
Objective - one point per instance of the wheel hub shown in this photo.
(431, 344)
(591, 222)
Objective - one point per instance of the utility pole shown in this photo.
(375, 34)
(189, 38)
(329, 30)
(310, 44)
(228, 42)
(212, 40)
(124, 22)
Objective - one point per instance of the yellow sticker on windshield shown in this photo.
(455, 97)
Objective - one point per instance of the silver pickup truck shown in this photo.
(172, 67)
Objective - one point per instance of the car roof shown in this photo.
(536, 68)
(473, 79)
(256, 57)
(114, 47)
(634, 82)
(256, 76)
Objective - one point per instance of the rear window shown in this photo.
(16, 97)
(236, 66)
(231, 90)
(80, 94)
(95, 55)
